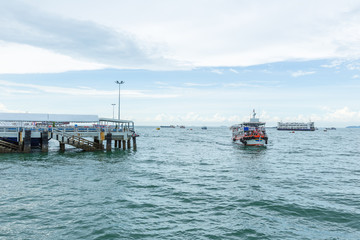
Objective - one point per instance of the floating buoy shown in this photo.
(157, 128)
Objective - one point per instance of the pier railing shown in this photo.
(68, 129)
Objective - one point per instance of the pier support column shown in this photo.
(128, 144)
(108, 138)
(96, 139)
(119, 143)
(134, 143)
(44, 141)
(124, 144)
(62, 146)
(21, 142)
(100, 142)
(27, 141)
(116, 143)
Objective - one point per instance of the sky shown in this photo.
(198, 62)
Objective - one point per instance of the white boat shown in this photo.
(250, 133)
(296, 126)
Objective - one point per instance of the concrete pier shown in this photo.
(27, 131)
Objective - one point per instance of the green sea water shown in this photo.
(187, 184)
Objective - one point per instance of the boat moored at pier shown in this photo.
(250, 133)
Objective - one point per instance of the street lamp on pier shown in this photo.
(117, 82)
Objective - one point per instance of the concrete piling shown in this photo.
(100, 142)
(128, 144)
(44, 141)
(134, 143)
(124, 144)
(62, 146)
(21, 143)
(108, 138)
(27, 141)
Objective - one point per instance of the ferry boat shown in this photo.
(250, 133)
(296, 126)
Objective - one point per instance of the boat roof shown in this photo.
(44, 117)
(253, 123)
(114, 120)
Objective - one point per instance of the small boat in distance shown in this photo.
(251, 133)
(171, 126)
(204, 128)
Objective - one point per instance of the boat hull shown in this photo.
(252, 142)
(255, 142)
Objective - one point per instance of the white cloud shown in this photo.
(3, 108)
(217, 71)
(168, 35)
(301, 73)
(233, 70)
(334, 64)
(232, 85)
(20, 58)
(342, 115)
(199, 84)
(11, 87)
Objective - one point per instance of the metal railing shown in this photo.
(68, 129)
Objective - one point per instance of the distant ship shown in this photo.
(203, 128)
(171, 126)
(250, 133)
(296, 126)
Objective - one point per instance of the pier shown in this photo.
(25, 132)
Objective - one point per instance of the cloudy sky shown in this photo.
(195, 62)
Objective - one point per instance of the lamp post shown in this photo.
(113, 104)
(117, 82)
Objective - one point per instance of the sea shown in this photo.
(187, 184)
